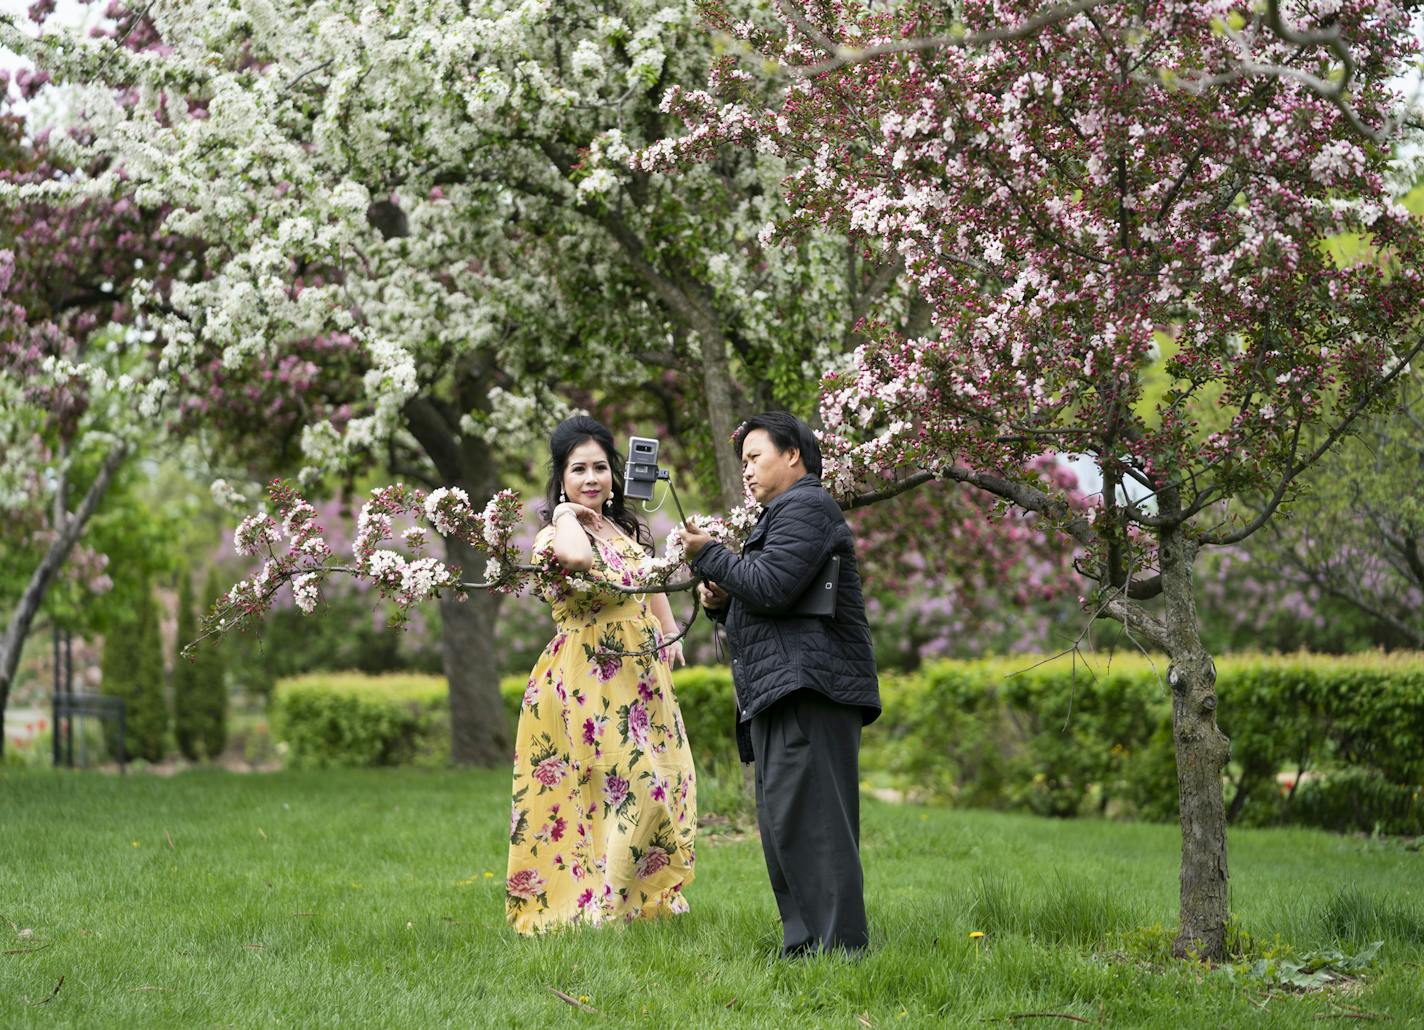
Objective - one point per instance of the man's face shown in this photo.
(766, 470)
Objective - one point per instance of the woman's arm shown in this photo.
(571, 544)
(662, 611)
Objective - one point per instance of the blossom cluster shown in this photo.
(295, 550)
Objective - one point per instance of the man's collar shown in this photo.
(807, 480)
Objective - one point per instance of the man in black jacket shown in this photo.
(805, 684)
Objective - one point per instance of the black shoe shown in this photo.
(799, 950)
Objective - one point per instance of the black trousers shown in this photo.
(807, 750)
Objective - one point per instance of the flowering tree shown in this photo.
(1109, 193)
(71, 353)
(438, 192)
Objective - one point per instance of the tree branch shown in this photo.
(1296, 468)
(1021, 494)
(67, 535)
(841, 56)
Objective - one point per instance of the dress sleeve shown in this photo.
(543, 550)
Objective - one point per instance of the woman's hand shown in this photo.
(572, 524)
(672, 654)
(586, 516)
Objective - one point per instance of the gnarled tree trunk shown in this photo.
(1202, 753)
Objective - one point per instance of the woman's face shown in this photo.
(588, 477)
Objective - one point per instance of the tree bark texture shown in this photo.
(722, 417)
(17, 627)
(479, 727)
(1202, 753)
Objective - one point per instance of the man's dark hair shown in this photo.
(786, 432)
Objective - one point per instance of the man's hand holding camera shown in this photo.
(693, 539)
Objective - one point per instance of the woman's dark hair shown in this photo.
(786, 432)
(567, 435)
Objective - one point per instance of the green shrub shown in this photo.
(349, 719)
(1357, 800)
(1062, 739)
(1306, 713)
(199, 684)
(132, 669)
(709, 712)
(1057, 739)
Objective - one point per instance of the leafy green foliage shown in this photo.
(1057, 739)
(1063, 739)
(346, 719)
(1310, 971)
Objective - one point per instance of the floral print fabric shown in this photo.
(605, 805)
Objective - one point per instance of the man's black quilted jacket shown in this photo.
(774, 653)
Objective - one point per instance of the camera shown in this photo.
(642, 471)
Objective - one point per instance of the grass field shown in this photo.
(362, 899)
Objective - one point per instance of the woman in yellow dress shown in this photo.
(605, 801)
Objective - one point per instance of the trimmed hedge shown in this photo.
(350, 719)
(1063, 739)
(1059, 739)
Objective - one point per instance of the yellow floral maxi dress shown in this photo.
(605, 801)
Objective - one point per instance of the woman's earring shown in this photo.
(608, 504)
(562, 498)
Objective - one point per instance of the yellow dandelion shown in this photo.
(583, 999)
(135, 844)
(976, 936)
(489, 875)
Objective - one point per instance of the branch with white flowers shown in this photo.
(296, 554)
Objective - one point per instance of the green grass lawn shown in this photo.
(361, 899)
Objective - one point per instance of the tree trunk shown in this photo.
(70, 530)
(1202, 753)
(479, 729)
(722, 418)
(690, 303)
(479, 725)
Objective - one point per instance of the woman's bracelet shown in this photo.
(560, 514)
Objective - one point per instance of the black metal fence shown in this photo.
(70, 706)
